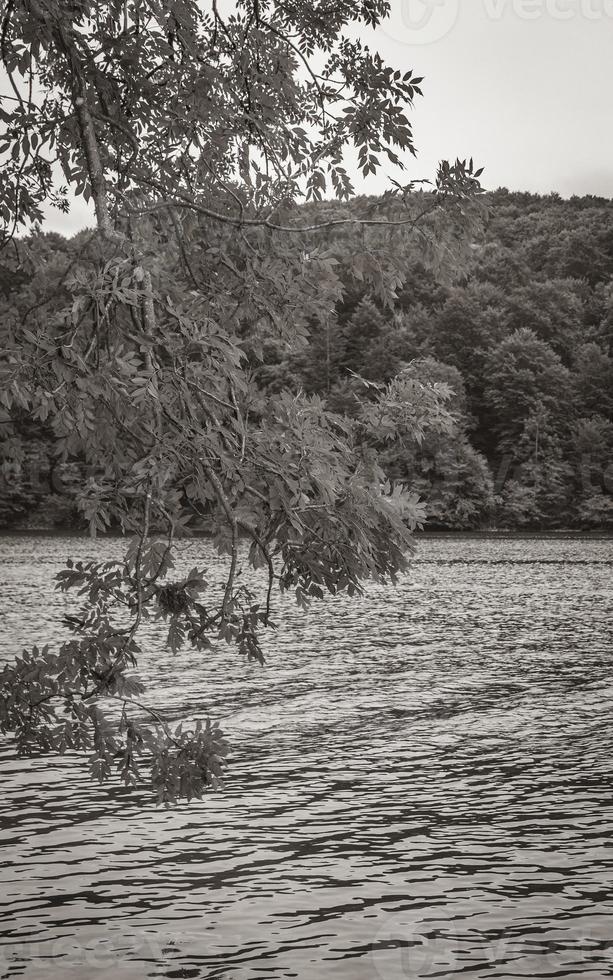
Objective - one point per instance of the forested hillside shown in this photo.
(519, 334)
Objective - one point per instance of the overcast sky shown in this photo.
(524, 86)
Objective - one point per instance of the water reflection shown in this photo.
(420, 787)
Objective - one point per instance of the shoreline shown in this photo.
(71, 532)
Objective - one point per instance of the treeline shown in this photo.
(523, 338)
(519, 332)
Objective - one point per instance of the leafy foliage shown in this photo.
(195, 136)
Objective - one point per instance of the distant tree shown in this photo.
(451, 477)
(592, 459)
(420, 287)
(539, 493)
(552, 309)
(502, 266)
(365, 326)
(24, 469)
(522, 375)
(447, 472)
(577, 253)
(464, 328)
(593, 380)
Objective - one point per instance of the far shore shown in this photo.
(71, 532)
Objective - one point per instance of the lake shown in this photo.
(420, 786)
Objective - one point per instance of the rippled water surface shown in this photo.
(420, 786)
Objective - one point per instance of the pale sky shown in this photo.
(523, 86)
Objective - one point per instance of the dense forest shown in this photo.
(518, 336)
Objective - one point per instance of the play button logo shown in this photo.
(420, 21)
